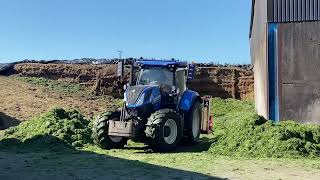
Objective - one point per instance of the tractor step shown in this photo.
(121, 129)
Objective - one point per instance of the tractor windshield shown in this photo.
(161, 77)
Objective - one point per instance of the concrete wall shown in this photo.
(299, 71)
(258, 48)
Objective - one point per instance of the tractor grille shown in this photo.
(133, 93)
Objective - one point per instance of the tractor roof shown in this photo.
(161, 63)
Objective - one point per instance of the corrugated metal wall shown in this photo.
(293, 10)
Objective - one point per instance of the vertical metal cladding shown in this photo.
(293, 10)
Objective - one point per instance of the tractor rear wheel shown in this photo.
(164, 130)
(100, 132)
(193, 120)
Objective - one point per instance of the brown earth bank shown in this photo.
(224, 82)
(21, 101)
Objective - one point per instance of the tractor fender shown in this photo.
(187, 100)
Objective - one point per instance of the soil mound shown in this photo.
(221, 81)
(101, 78)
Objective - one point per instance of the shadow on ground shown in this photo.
(203, 145)
(47, 157)
(7, 121)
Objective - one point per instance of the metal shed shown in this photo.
(285, 52)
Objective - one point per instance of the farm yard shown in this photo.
(160, 90)
(53, 140)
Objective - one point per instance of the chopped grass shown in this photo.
(57, 129)
(240, 132)
(242, 137)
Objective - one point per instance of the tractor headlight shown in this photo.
(140, 100)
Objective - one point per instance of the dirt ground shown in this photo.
(20, 101)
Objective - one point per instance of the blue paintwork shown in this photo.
(187, 100)
(154, 99)
(273, 72)
(160, 63)
(185, 104)
(132, 105)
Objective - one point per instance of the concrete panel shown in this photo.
(300, 52)
(301, 102)
(299, 71)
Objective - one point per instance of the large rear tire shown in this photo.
(164, 130)
(193, 120)
(100, 132)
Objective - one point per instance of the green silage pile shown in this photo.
(53, 130)
(240, 132)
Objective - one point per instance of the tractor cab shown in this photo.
(159, 85)
(167, 74)
(170, 80)
(163, 81)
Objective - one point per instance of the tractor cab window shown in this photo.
(161, 77)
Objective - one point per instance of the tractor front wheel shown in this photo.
(164, 130)
(100, 132)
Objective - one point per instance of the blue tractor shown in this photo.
(158, 110)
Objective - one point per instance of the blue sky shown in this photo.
(203, 30)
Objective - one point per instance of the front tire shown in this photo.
(164, 130)
(100, 132)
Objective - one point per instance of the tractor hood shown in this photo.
(141, 95)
